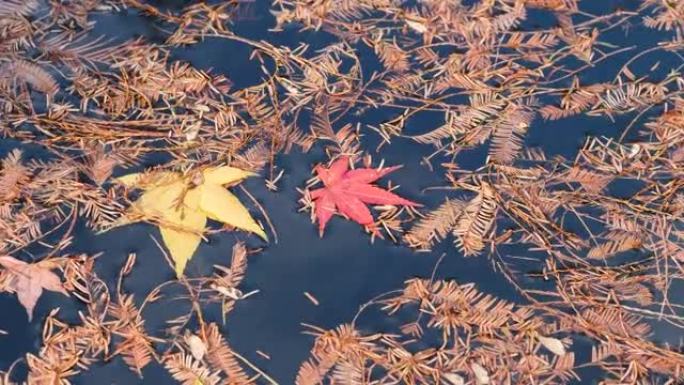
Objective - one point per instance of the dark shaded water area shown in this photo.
(343, 269)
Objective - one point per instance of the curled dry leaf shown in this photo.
(29, 280)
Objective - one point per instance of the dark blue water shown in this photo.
(343, 270)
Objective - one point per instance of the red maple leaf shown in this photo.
(348, 191)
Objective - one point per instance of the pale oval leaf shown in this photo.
(481, 374)
(196, 345)
(554, 345)
(453, 378)
(416, 26)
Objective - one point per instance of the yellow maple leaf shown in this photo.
(220, 205)
(225, 175)
(181, 205)
(182, 229)
(146, 181)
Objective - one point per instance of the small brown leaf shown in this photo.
(29, 280)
